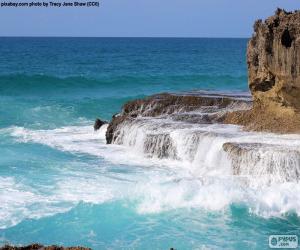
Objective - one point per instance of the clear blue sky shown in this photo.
(140, 18)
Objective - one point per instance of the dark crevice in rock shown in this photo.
(293, 70)
(255, 60)
(262, 85)
(286, 39)
(270, 38)
(276, 22)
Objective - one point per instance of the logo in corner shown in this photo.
(283, 241)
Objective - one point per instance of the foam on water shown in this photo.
(80, 140)
(215, 149)
(200, 176)
(266, 181)
(132, 194)
(19, 201)
(217, 194)
(62, 138)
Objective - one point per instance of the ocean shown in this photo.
(61, 184)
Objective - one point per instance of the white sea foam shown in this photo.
(215, 194)
(77, 139)
(268, 166)
(196, 174)
(201, 148)
(19, 201)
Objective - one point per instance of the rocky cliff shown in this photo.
(273, 58)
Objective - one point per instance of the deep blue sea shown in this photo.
(60, 183)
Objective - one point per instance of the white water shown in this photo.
(200, 148)
(197, 172)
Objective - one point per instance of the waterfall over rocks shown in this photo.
(189, 129)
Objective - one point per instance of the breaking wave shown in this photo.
(165, 165)
(215, 148)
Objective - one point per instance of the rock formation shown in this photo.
(98, 124)
(273, 58)
(179, 108)
(190, 127)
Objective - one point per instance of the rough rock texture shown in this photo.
(41, 247)
(177, 106)
(98, 124)
(273, 58)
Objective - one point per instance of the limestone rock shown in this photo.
(273, 58)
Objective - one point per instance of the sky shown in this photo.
(142, 18)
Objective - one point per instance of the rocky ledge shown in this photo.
(198, 108)
(273, 58)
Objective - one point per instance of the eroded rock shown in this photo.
(273, 58)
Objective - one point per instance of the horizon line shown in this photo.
(178, 37)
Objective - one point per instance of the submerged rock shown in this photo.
(98, 124)
(273, 58)
(41, 247)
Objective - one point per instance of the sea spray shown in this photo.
(62, 183)
(200, 178)
(218, 149)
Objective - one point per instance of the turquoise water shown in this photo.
(60, 183)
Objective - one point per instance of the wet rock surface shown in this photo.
(98, 124)
(273, 58)
(201, 108)
(190, 129)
